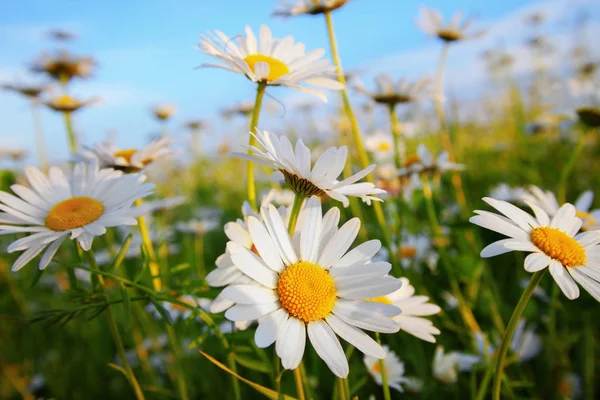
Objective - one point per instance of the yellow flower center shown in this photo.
(306, 291)
(66, 101)
(74, 213)
(587, 218)
(408, 252)
(384, 146)
(380, 299)
(277, 69)
(559, 246)
(412, 160)
(127, 154)
(449, 35)
(376, 367)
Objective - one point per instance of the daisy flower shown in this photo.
(282, 197)
(244, 109)
(311, 285)
(308, 7)
(32, 92)
(68, 104)
(162, 205)
(311, 180)
(505, 192)
(425, 164)
(63, 66)
(81, 205)
(128, 160)
(525, 344)
(380, 145)
(552, 243)
(432, 23)
(413, 308)
(395, 372)
(570, 386)
(547, 201)
(271, 61)
(179, 312)
(586, 96)
(196, 226)
(447, 366)
(391, 92)
(164, 111)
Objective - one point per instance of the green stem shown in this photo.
(341, 389)
(179, 375)
(147, 241)
(260, 93)
(568, 168)
(114, 330)
(589, 362)
(298, 200)
(396, 135)
(70, 133)
(384, 378)
(510, 329)
(199, 251)
(439, 86)
(485, 383)
(299, 383)
(360, 148)
(39, 137)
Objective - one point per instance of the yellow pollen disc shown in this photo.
(306, 291)
(73, 213)
(127, 154)
(376, 368)
(384, 146)
(380, 299)
(408, 252)
(65, 101)
(559, 246)
(412, 161)
(277, 69)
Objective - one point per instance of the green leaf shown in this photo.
(269, 393)
(180, 267)
(36, 277)
(255, 365)
(119, 368)
(121, 256)
(162, 311)
(126, 305)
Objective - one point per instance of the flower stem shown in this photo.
(299, 384)
(147, 241)
(510, 329)
(341, 389)
(298, 199)
(114, 330)
(566, 172)
(396, 135)
(199, 252)
(70, 133)
(384, 378)
(179, 375)
(360, 148)
(260, 93)
(39, 137)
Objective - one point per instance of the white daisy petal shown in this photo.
(269, 327)
(355, 337)
(564, 280)
(328, 348)
(536, 262)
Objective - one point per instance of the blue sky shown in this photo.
(145, 50)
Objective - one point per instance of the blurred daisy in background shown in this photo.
(307, 7)
(63, 66)
(68, 104)
(177, 311)
(274, 62)
(446, 366)
(391, 92)
(30, 91)
(278, 197)
(394, 369)
(314, 287)
(552, 244)
(505, 192)
(570, 386)
(432, 23)
(525, 344)
(127, 160)
(307, 179)
(164, 112)
(413, 309)
(425, 164)
(82, 205)
(380, 145)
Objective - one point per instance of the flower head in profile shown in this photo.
(395, 372)
(308, 7)
(271, 61)
(380, 145)
(424, 163)
(413, 309)
(164, 111)
(32, 92)
(391, 92)
(586, 96)
(553, 243)
(446, 366)
(128, 160)
(68, 104)
(244, 109)
(81, 205)
(64, 66)
(311, 285)
(307, 179)
(432, 23)
(548, 202)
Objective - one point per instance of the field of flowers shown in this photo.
(404, 251)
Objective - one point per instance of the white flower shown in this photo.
(380, 144)
(197, 226)
(81, 205)
(504, 192)
(547, 201)
(127, 160)
(570, 386)
(388, 91)
(179, 312)
(432, 22)
(446, 366)
(275, 62)
(394, 369)
(312, 285)
(551, 242)
(525, 344)
(282, 197)
(167, 203)
(413, 308)
(307, 179)
(310, 7)
(425, 163)
(164, 111)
